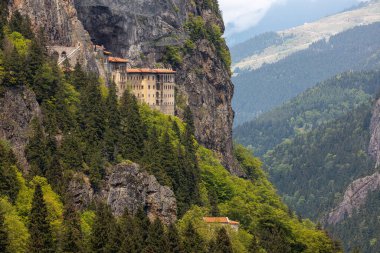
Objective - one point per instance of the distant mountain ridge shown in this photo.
(271, 85)
(301, 37)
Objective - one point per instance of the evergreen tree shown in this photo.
(9, 185)
(213, 199)
(188, 118)
(254, 246)
(112, 132)
(4, 243)
(157, 240)
(92, 122)
(79, 77)
(21, 24)
(72, 234)
(101, 229)
(71, 151)
(132, 240)
(41, 239)
(14, 69)
(174, 242)
(132, 128)
(193, 242)
(222, 243)
(3, 18)
(37, 150)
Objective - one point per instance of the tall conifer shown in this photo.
(193, 242)
(132, 128)
(4, 243)
(157, 240)
(101, 229)
(174, 242)
(222, 243)
(72, 233)
(112, 132)
(41, 239)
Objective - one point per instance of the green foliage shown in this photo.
(21, 24)
(173, 56)
(329, 155)
(18, 235)
(316, 106)
(4, 241)
(198, 30)
(72, 240)
(157, 240)
(133, 129)
(8, 178)
(41, 239)
(101, 230)
(222, 243)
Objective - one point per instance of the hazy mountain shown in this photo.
(290, 14)
(295, 61)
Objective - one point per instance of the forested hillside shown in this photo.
(271, 85)
(315, 145)
(81, 129)
(324, 102)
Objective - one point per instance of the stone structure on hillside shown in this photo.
(155, 87)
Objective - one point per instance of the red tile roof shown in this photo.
(220, 220)
(152, 71)
(117, 60)
(215, 219)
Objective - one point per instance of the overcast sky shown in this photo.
(240, 15)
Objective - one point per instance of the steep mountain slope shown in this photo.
(320, 150)
(320, 104)
(301, 37)
(271, 85)
(82, 190)
(185, 34)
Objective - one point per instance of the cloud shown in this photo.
(240, 15)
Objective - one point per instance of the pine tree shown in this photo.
(14, 69)
(112, 132)
(41, 239)
(21, 24)
(101, 229)
(132, 128)
(3, 18)
(37, 150)
(132, 240)
(156, 239)
(254, 246)
(9, 185)
(142, 222)
(222, 243)
(72, 234)
(174, 242)
(193, 242)
(4, 243)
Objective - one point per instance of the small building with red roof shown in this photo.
(222, 221)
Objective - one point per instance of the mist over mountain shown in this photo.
(283, 15)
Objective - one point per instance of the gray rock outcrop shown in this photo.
(18, 106)
(129, 187)
(80, 191)
(374, 144)
(141, 30)
(59, 21)
(354, 197)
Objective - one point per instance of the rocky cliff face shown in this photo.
(18, 106)
(143, 29)
(62, 28)
(128, 187)
(374, 144)
(357, 192)
(354, 197)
